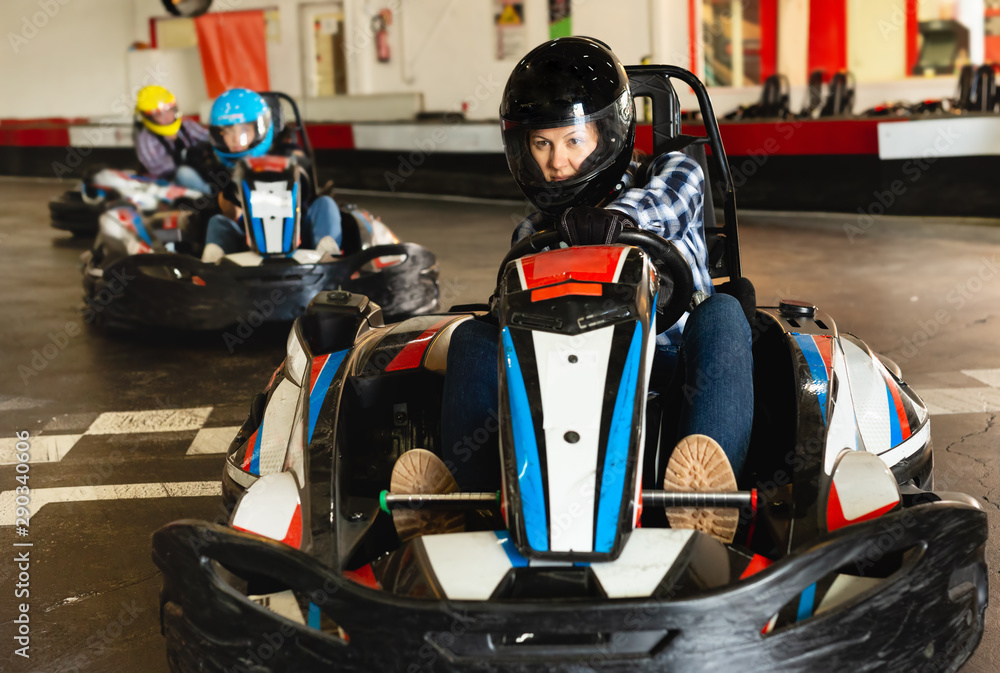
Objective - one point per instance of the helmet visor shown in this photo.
(242, 136)
(567, 152)
(164, 114)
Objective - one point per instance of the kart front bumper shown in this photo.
(180, 292)
(927, 615)
(70, 213)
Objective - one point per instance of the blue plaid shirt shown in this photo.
(670, 205)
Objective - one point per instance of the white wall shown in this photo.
(793, 40)
(67, 62)
(442, 51)
(626, 29)
(876, 39)
(445, 49)
(77, 64)
(668, 34)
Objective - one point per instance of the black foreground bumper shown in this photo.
(928, 615)
(160, 291)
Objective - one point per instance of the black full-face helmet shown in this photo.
(568, 95)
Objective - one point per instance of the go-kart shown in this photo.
(147, 272)
(844, 559)
(78, 211)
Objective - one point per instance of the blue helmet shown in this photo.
(240, 126)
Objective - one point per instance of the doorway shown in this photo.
(324, 62)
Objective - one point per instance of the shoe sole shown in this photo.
(419, 471)
(698, 463)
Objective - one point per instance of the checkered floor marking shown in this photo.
(942, 401)
(959, 399)
(52, 448)
(156, 420)
(212, 440)
(990, 377)
(41, 497)
(44, 448)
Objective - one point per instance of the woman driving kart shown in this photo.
(167, 139)
(240, 127)
(568, 130)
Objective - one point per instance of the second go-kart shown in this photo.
(845, 557)
(145, 271)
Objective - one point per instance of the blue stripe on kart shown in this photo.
(806, 601)
(529, 470)
(255, 460)
(256, 224)
(314, 614)
(895, 431)
(513, 555)
(322, 384)
(368, 225)
(616, 456)
(290, 221)
(140, 229)
(816, 367)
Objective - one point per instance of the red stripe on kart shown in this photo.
(589, 262)
(363, 576)
(897, 399)
(566, 289)
(268, 163)
(248, 456)
(274, 376)
(824, 345)
(413, 352)
(293, 536)
(757, 563)
(317, 367)
(835, 518)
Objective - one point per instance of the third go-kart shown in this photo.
(79, 210)
(845, 557)
(146, 271)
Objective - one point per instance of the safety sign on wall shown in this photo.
(510, 34)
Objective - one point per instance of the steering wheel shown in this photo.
(676, 278)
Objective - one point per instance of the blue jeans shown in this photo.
(718, 376)
(717, 362)
(191, 179)
(322, 219)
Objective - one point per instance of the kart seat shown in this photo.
(277, 112)
(351, 242)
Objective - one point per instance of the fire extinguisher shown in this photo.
(380, 25)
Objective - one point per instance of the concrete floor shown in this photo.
(926, 293)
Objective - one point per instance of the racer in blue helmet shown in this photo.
(240, 126)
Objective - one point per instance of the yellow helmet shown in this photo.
(157, 109)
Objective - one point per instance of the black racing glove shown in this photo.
(583, 225)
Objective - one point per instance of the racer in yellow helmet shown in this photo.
(166, 139)
(156, 108)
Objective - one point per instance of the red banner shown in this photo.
(233, 48)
